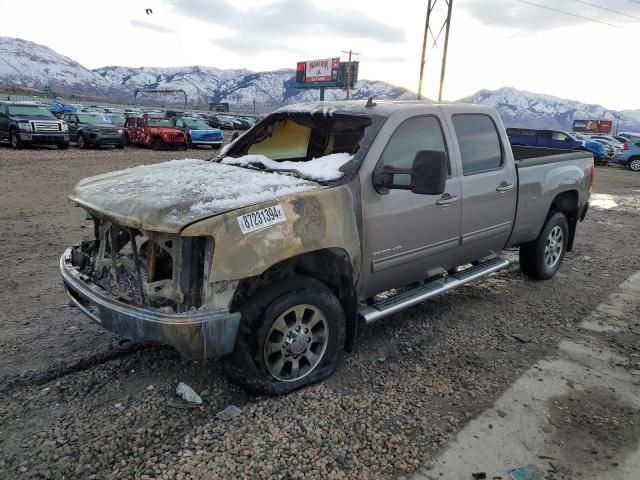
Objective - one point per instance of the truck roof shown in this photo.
(383, 108)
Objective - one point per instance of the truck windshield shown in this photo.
(303, 144)
(29, 111)
(159, 122)
(116, 119)
(92, 119)
(195, 123)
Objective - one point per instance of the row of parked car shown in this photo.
(623, 149)
(23, 123)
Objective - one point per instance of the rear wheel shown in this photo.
(541, 259)
(14, 139)
(63, 146)
(634, 164)
(291, 335)
(82, 142)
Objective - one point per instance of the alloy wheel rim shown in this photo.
(635, 165)
(14, 140)
(81, 141)
(553, 247)
(296, 343)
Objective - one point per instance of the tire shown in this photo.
(82, 142)
(157, 144)
(120, 146)
(63, 146)
(126, 140)
(542, 258)
(14, 140)
(284, 312)
(634, 164)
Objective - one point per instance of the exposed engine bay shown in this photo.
(145, 268)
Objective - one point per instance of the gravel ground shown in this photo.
(77, 403)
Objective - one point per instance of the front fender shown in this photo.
(315, 220)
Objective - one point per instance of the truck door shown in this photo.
(489, 185)
(72, 120)
(408, 236)
(4, 122)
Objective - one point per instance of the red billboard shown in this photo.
(324, 70)
(595, 126)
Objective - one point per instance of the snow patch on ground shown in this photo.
(323, 169)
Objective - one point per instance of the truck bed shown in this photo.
(543, 173)
(530, 156)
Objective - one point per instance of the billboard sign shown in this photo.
(595, 126)
(323, 71)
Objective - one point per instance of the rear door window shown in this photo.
(479, 143)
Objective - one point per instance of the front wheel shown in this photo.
(82, 142)
(14, 139)
(634, 165)
(541, 259)
(157, 144)
(291, 335)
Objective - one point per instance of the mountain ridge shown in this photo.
(29, 64)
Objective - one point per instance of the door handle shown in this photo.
(504, 187)
(446, 200)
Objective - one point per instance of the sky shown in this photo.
(493, 43)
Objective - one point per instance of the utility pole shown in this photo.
(350, 52)
(446, 47)
(424, 49)
(445, 26)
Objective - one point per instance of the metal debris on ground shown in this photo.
(522, 337)
(188, 394)
(228, 413)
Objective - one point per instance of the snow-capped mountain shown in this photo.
(519, 108)
(238, 87)
(29, 64)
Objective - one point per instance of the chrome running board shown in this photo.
(409, 298)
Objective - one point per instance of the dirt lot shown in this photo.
(77, 403)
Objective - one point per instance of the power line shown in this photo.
(608, 9)
(567, 13)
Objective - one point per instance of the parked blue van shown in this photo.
(530, 137)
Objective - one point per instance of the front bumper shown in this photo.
(45, 138)
(196, 335)
(99, 139)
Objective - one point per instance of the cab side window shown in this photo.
(412, 136)
(3, 110)
(140, 122)
(559, 136)
(479, 143)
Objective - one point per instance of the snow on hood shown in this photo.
(167, 196)
(322, 169)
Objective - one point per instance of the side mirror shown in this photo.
(568, 139)
(235, 135)
(429, 172)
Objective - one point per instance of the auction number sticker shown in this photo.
(260, 219)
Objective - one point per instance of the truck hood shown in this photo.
(165, 197)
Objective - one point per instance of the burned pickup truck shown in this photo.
(318, 218)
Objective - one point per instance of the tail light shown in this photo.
(625, 146)
(593, 177)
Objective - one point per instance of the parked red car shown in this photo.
(154, 132)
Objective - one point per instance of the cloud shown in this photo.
(271, 26)
(526, 17)
(385, 59)
(151, 26)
